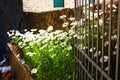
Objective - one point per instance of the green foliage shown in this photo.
(48, 53)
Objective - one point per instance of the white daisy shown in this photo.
(33, 71)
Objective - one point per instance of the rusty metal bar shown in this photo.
(86, 71)
(110, 31)
(84, 58)
(75, 11)
(92, 33)
(82, 27)
(89, 34)
(76, 51)
(94, 64)
(85, 36)
(103, 30)
(75, 64)
(78, 73)
(97, 31)
(117, 73)
(103, 39)
(84, 33)
(81, 21)
(97, 38)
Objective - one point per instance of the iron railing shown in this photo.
(97, 45)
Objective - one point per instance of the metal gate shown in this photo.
(97, 44)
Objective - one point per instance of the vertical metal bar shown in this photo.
(92, 34)
(77, 44)
(118, 46)
(103, 33)
(78, 67)
(76, 52)
(97, 31)
(97, 37)
(81, 19)
(89, 35)
(85, 37)
(110, 30)
(103, 30)
(82, 26)
(75, 14)
(79, 74)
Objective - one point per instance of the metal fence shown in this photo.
(97, 44)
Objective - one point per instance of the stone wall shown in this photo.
(44, 19)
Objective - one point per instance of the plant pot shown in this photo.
(18, 71)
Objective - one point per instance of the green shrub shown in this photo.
(48, 53)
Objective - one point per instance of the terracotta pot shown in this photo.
(6, 76)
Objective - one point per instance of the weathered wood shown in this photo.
(17, 69)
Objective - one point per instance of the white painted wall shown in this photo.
(44, 5)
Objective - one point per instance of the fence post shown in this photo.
(118, 46)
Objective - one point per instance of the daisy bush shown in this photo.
(48, 53)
